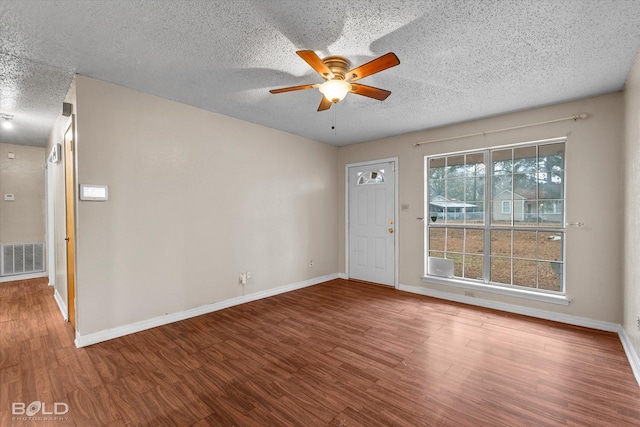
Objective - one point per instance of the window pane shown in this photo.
(455, 191)
(550, 276)
(457, 263)
(475, 213)
(501, 242)
(437, 163)
(455, 166)
(436, 254)
(551, 157)
(501, 186)
(524, 159)
(497, 215)
(524, 185)
(475, 164)
(455, 239)
(551, 185)
(436, 189)
(372, 177)
(473, 266)
(531, 216)
(501, 162)
(524, 244)
(524, 273)
(474, 188)
(501, 270)
(436, 239)
(551, 213)
(550, 246)
(501, 191)
(474, 242)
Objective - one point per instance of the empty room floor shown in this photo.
(339, 353)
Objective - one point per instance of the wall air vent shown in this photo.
(21, 258)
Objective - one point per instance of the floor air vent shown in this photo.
(21, 258)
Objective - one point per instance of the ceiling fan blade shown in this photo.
(375, 66)
(325, 104)
(370, 91)
(316, 63)
(292, 88)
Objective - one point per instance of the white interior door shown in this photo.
(372, 222)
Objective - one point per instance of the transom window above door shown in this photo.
(371, 177)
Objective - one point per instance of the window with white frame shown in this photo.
(496, 216)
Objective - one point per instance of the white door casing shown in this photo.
(51, 244)
(371, 222)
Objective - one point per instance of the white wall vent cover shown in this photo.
(440, 267)
(21, 258)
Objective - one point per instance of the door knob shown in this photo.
(391, 230)
(66, 238)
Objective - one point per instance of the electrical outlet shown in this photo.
(249, 275)
(243, 278)
(469, 294)
(310, 263)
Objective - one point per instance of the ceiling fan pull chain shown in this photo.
(334, 121)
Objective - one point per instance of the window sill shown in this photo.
(519, 293)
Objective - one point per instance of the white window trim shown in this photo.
(506, 203)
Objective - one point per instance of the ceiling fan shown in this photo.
(339, 78)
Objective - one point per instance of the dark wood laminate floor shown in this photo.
(335, 354)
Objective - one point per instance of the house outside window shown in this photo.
(496, 216)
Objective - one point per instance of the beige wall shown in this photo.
(194, 198)
(23, 220)
(594, 197)
(631, 164)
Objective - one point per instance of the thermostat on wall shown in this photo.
(9, 197)
(94, 192)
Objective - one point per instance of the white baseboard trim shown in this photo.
(61, 305)
(343, 276)
(631, 353)
(15, 277)
(120, 331)
(517, 309)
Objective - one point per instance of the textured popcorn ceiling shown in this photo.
(460, 60)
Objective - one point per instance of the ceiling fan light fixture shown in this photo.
(335, 90)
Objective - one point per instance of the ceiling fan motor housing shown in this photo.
(338, 66)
